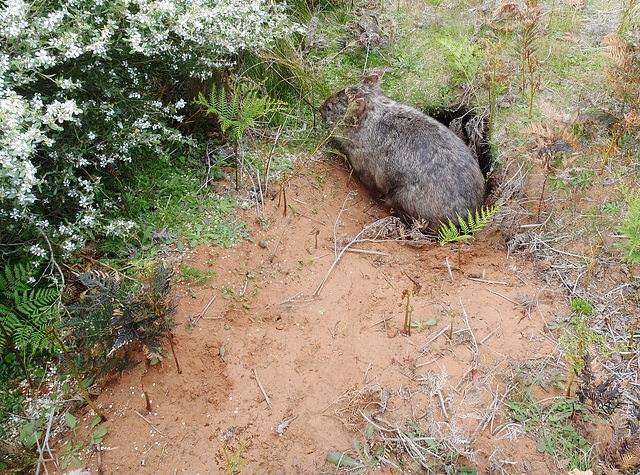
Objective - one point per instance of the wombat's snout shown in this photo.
(325, 110)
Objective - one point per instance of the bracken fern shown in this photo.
(631, 229)
(463, 231)
(27, 307)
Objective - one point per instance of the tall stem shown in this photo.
(77, 377)
(11, 346)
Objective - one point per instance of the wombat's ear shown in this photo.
(372, 82)
(360, 106)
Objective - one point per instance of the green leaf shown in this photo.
(95, 422)
(369, 430)
(469, 470)
(70, 420)
(338, 458)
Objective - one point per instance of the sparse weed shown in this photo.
(552, 429)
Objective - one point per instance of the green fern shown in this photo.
(463, 231)
(240, 111)
(28, 306)
(110, 317)
(237, 110)
(463, 58)
(631, 229)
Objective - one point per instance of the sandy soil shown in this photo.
(326, 362)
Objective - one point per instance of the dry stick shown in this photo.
(77, 377)
(433, 338)
(279, 239)
(148, 422)
(490, 334)
(45, 445)
(148, 401)
(475, 353)
(444, 409)
(317, 292)
(200, 315)
(310, 219)
(506, 298)
(362, 251)
(388, 281)
(449, 267)
(264, 393)
(384, 320)
(364, 380)
(173, 351)
(99, 453)
(510, 284)
(269, 160)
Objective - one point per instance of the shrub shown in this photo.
(88, 85)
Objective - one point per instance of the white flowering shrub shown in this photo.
(88, 85)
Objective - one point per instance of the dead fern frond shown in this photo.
(617, 51)
(556, 133)
(506, 9)
(354, 402)
(600, 396)
(623, 450)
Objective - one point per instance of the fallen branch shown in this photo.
(264, 393)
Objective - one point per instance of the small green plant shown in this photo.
(464, 60)
(72, 450)
(27, 306)
(232, 456)
(422, 325)
(631, 229)
(578, 340)
(408, 309)
(464, 230)
(582, 307)
(237, 108)
(435, 4)
(368, 453)
(111, 316)
(552, 429)
(195, 275)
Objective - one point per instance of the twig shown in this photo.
(387, 279)
(444, 410)
(364, 380)
(473, 336)
(173, 350)
(269, 160)
(506, 298)
(264, 393)
(449, 267)
(45, 445)
(279, 239)
(489, 335)
(363, 251)
(510, 284)
(148, 422)
(99, 454)
(335, 330)
(433, 338)
(198, 316)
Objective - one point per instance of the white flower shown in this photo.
(36, 250)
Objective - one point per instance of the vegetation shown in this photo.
(120, 120)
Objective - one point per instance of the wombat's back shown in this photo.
(422, 168)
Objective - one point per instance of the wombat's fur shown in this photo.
(421, 167)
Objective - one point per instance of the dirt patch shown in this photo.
(333, 364)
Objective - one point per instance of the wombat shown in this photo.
(422, 168)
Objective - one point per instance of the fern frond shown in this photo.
(467, 227)
(631, 227)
